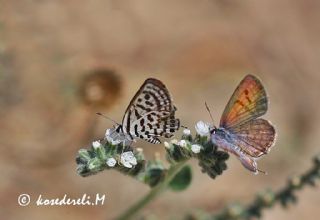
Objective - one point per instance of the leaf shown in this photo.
(182, 179)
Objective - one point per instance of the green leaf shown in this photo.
(94, 164)
(101, 153)
(83, 153)
(182, 180)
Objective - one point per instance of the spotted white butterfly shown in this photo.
(149, 115)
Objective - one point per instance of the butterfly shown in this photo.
(150, 114)
(241, 131)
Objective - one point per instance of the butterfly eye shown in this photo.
(118, 129)
(213, 131)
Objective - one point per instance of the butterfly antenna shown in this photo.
(263, 172)
(106, 117)
(208, 109)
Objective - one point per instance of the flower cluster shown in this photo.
(109, 153)
(115, 152)
(211, 160)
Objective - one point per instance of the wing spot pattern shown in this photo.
(150, 113)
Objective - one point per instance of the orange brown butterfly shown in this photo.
(241, 131)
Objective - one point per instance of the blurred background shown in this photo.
(62, 61)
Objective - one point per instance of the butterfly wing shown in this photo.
(255, 137)
(249, 101)
(150, 113)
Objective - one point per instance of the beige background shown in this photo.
(199, 49)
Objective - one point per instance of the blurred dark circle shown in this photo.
(100, 88)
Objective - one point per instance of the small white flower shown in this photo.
(166, 144)
(182, 143)
(110, 139)
(128, 159)
(108, 132)
(174, 141)
(111, 162)
(195, 148)
(96, 144)
(186, 132)
(202, 128)
(108, 135)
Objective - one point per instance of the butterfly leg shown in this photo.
(124, 146)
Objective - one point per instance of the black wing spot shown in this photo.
(144, 108)
(155, 131)
(147, 96)
(136, 113)
(149, 103)
(240, 103)
(136, 130)
(149, 87)
(150, 118)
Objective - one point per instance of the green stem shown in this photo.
(135, 208)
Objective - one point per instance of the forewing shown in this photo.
(151, 112)
(249, 101)
(254, 137)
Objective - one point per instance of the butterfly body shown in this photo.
(225, 140)
(150, 114)
(118, 136)
(241, 131)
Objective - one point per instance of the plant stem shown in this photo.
(162, 186)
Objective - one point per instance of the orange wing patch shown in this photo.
(249, 101)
